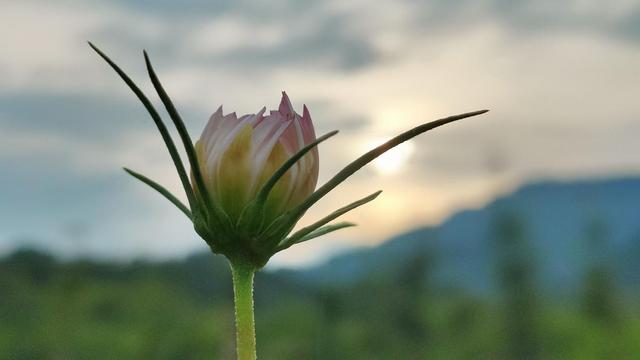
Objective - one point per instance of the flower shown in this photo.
(237, 156)
(253, 178)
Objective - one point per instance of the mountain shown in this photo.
(561, 228)
(566, 226)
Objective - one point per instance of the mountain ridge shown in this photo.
(556, 216)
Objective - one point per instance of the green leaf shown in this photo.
(298, 235)
(159, 124)
(164, 192)
(370, 156)
(324, 230)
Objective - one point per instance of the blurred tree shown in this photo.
(51, 309)
(332, 311)
(36, 265)
(413, 284)
(515, 270)
(599, 290)
(630, 264)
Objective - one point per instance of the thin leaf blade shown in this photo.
(325, 230)
(295, 238)
(182, 130)
(164, 192)
(372, 155)
(166, 137)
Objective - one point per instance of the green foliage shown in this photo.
(515, 274)
(183, 310)
(598, 298)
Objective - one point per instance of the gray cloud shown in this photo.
(616, 18)
(629, 26)
(70, 114)
(94, 117)
(328, 116)
(330, 43)
(211, 8)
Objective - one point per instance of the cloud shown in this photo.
(325, 42)
(615, 19)
(75, 115)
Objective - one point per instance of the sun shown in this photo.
(394, 160)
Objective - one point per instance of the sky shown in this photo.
(561, 79)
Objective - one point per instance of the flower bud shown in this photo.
(248, 172)
(237, 156)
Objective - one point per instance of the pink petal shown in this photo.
(265, 129)
(266, 136)
(309, 136)
(212, 126)
(228, 132)
(260, 116)
(286, 109)
(225, 124)
(308, 132)
(290, 139)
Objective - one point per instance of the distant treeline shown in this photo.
(182, 309)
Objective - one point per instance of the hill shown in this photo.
(559, 221)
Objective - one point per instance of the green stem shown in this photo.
(243, 298)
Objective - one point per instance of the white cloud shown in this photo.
(45, 43)
(230, 33)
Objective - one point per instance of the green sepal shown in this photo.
(251, 219)
(186, 141)
(159, 124)
(164, 192)
(307, 230)
(323, 230)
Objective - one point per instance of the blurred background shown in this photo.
(514, 235)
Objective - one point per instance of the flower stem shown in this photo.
(242, 274)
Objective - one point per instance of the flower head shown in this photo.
(237, 156)
(253, 177)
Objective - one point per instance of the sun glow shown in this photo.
(393, 161)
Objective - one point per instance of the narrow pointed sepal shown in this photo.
(166, 137)
(298, 235)
(372, 155)
(164, 192)
(323, 230)
(182, 130)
